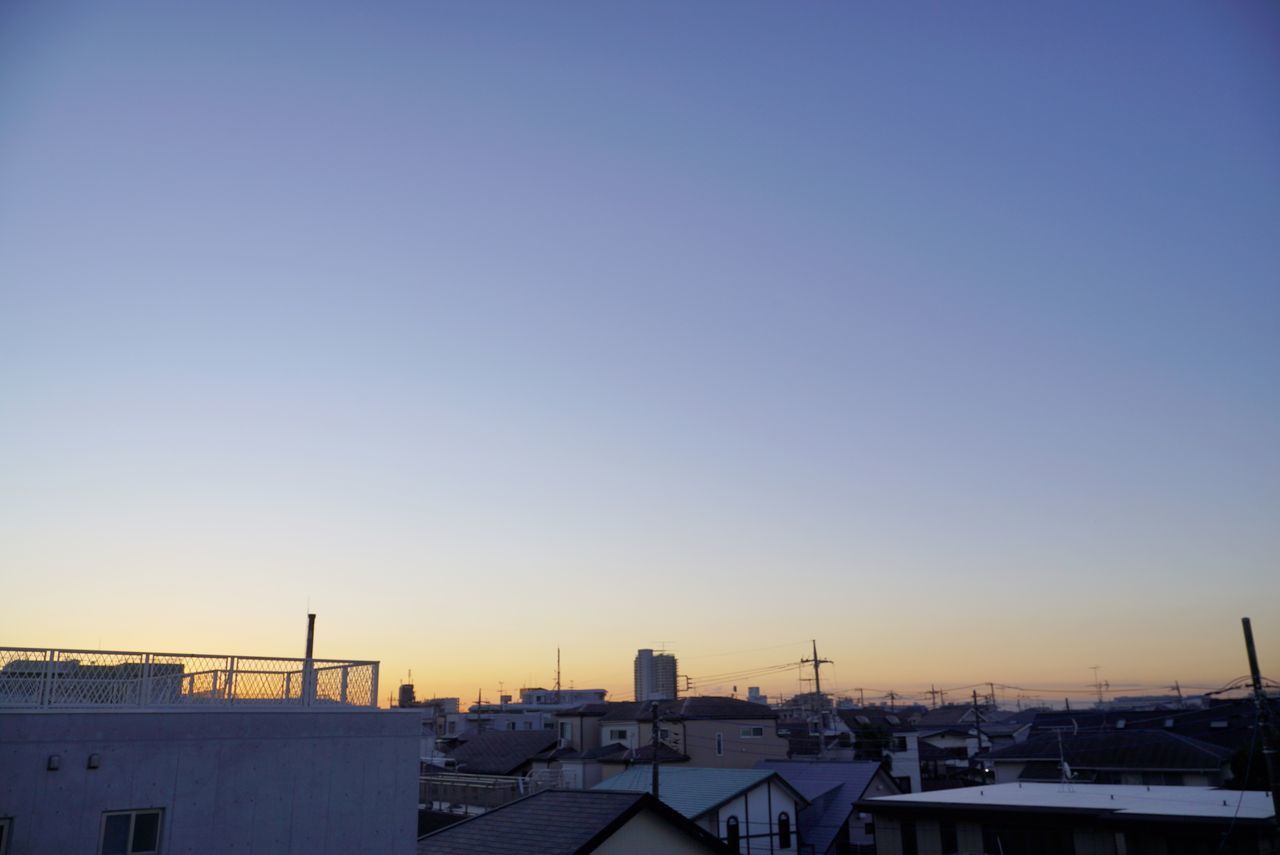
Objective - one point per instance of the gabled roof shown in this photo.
(556, 822)
(694, 790)
(954, 714)
(594, 708)
(700, 707)
(502, 752)
(644, 754)
(831, 788)
(1120, 749)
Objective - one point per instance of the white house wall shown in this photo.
(762, 804)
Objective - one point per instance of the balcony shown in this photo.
(42, 678)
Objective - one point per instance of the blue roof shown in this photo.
(691, 790)
(832, 786)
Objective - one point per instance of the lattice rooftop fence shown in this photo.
(43, 678)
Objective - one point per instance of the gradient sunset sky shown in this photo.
(946, 334)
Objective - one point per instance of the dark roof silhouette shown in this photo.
(502, 752)
(1120, 749)
(703, 706)
(556, 822)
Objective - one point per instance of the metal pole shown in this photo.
(654, 708)
(1270, 745)
(308, 667)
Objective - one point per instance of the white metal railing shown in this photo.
(37, 678)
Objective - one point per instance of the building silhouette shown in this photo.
(655, 676)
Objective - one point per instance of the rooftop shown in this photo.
(45, 678)
(1136, 801)
(692, 790)
(560, 821)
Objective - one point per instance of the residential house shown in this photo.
(569, 822)
(879, 735)
(1035, 818)
(751, 810)
(487, 770)
(830, 823)
(714, 732)
(1114, 757)
(536, 710)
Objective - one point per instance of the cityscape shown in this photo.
(452, 428)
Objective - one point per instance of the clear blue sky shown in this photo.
(721, 324)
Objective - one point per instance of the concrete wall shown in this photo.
(698, 740)
(757, 812)
(228, 781)
(646, 834)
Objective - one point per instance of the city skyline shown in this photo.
(945, 336)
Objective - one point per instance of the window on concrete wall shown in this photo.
(617, 735)
(6, 823)
(130, 832)
(750, 732)
(566, 730)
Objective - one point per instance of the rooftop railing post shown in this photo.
(373, 686)
(144, 688)
(343, 689)
(231, 679)
(46, 680)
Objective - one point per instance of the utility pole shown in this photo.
(977, 723)
(1270, 744)
(817, 690)
(557, 690)
(933, 696)
(892, 696)
(654, 709)
(992, 695)
(817, 678)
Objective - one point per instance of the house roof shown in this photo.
(693, 790)
(953, 714)
(831, 788)
(700, 707)
(555, 822)
(1120, 749)
(1162, 804)
(644, 754)
(594, 708)
(502, 752)
(873, 719)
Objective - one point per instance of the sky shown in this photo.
(947, 335)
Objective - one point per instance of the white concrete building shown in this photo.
(131, 753)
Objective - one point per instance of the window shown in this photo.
(910, 846)
(720, 746)
(5, 824)
(566, 730)
(784, 831)
(751, 732)
(511, 725)
(731, 833)
(617, 734)
(130, 832)
(950, 842)
(663, 733)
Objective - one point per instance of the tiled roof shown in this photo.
(595, 708)
(699, 707)
(691, 790)
(831, 788)
(555, 822)
(502, 752)
(862, 719)
(1120, 749)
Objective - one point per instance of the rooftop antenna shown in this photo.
(1098, 684)
(557, 689)
(1064, 782)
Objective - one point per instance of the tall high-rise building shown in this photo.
(655, 676)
